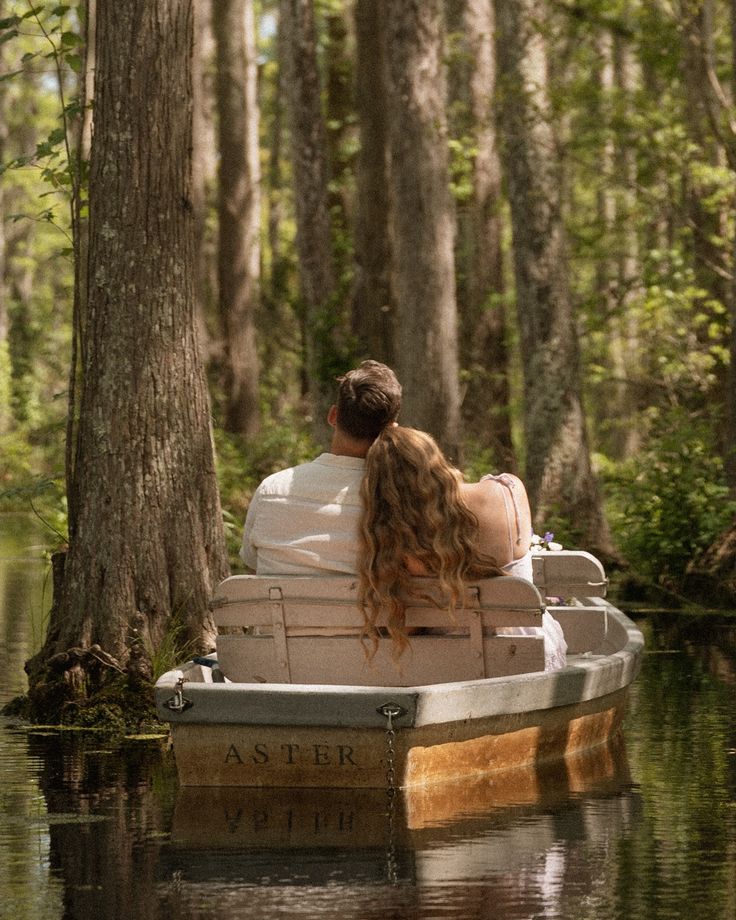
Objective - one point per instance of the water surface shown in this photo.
(645, 828)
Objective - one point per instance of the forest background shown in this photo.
(526, 208)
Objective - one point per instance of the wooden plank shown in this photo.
(327, 616)
(342, 660)
(244, 600)
(585, 628)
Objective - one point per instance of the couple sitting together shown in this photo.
(385, 504)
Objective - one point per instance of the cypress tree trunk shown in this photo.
(5, 415)
(204, 182)
(373, 312)
(423, 221)
(730, 433)
(559, 477)
(146, 545)
(481, 295)
(311, 175)
(239, 208)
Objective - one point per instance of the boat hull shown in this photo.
(312, 736)
(344, 757)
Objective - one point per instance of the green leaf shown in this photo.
(7, 36)
(59, 10)
(74, 61)
(70, 39)
(10, 21)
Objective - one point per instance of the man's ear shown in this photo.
(332, 416)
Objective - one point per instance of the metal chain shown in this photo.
(391, 711)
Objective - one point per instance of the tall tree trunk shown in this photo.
(5, 414)
(628, 282)
(309, 162)
(204, 183)
(279, 330)
(147, 543)
(239, 208)
(80, 232)
(373, 312)
(339, 112)
(730, 432)
(617, 426)
(481, 295)
(559, 476)
(423, 221)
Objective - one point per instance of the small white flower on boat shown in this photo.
(545, 543)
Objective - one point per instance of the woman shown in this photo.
(420, 518)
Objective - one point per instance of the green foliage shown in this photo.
(670, 502)
(241, 465)
(25, 490)
(174, 649)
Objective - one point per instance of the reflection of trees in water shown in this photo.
(710, 639)
(681, 732)
(108, 866)
(23, 600)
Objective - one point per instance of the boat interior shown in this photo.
(310, 629)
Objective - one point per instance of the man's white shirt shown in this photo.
(304, 520)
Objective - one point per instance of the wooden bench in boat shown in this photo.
(306, 629)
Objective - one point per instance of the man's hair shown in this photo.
(368, 399)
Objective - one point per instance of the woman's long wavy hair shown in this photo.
(412, 509)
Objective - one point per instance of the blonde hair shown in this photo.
(412, 509)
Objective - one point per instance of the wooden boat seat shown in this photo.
(306, 630)
(569, 573)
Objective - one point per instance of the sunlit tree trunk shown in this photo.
(481, 290)
(730, 433)
(617, 268)
(204, 183)
(373, 312)
(423, 220)
(5, 414)
(558, 469)
(239, 209)
(147, 542)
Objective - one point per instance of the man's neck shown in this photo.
(344, 446)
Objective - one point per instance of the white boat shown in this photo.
(291, 698)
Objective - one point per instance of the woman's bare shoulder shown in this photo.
(494, 483)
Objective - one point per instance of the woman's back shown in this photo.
(501, 505)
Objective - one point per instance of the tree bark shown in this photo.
(5, 413)
(204, 185)
(560, 480)
(311, 181)
(423, 221)
(147, 544)
(239, 209)
(373, 311)
(729, 439)
(481, 291)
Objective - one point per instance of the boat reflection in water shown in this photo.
(509, 823)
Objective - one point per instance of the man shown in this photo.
(304, 520)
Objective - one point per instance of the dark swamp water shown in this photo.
(645, 829)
